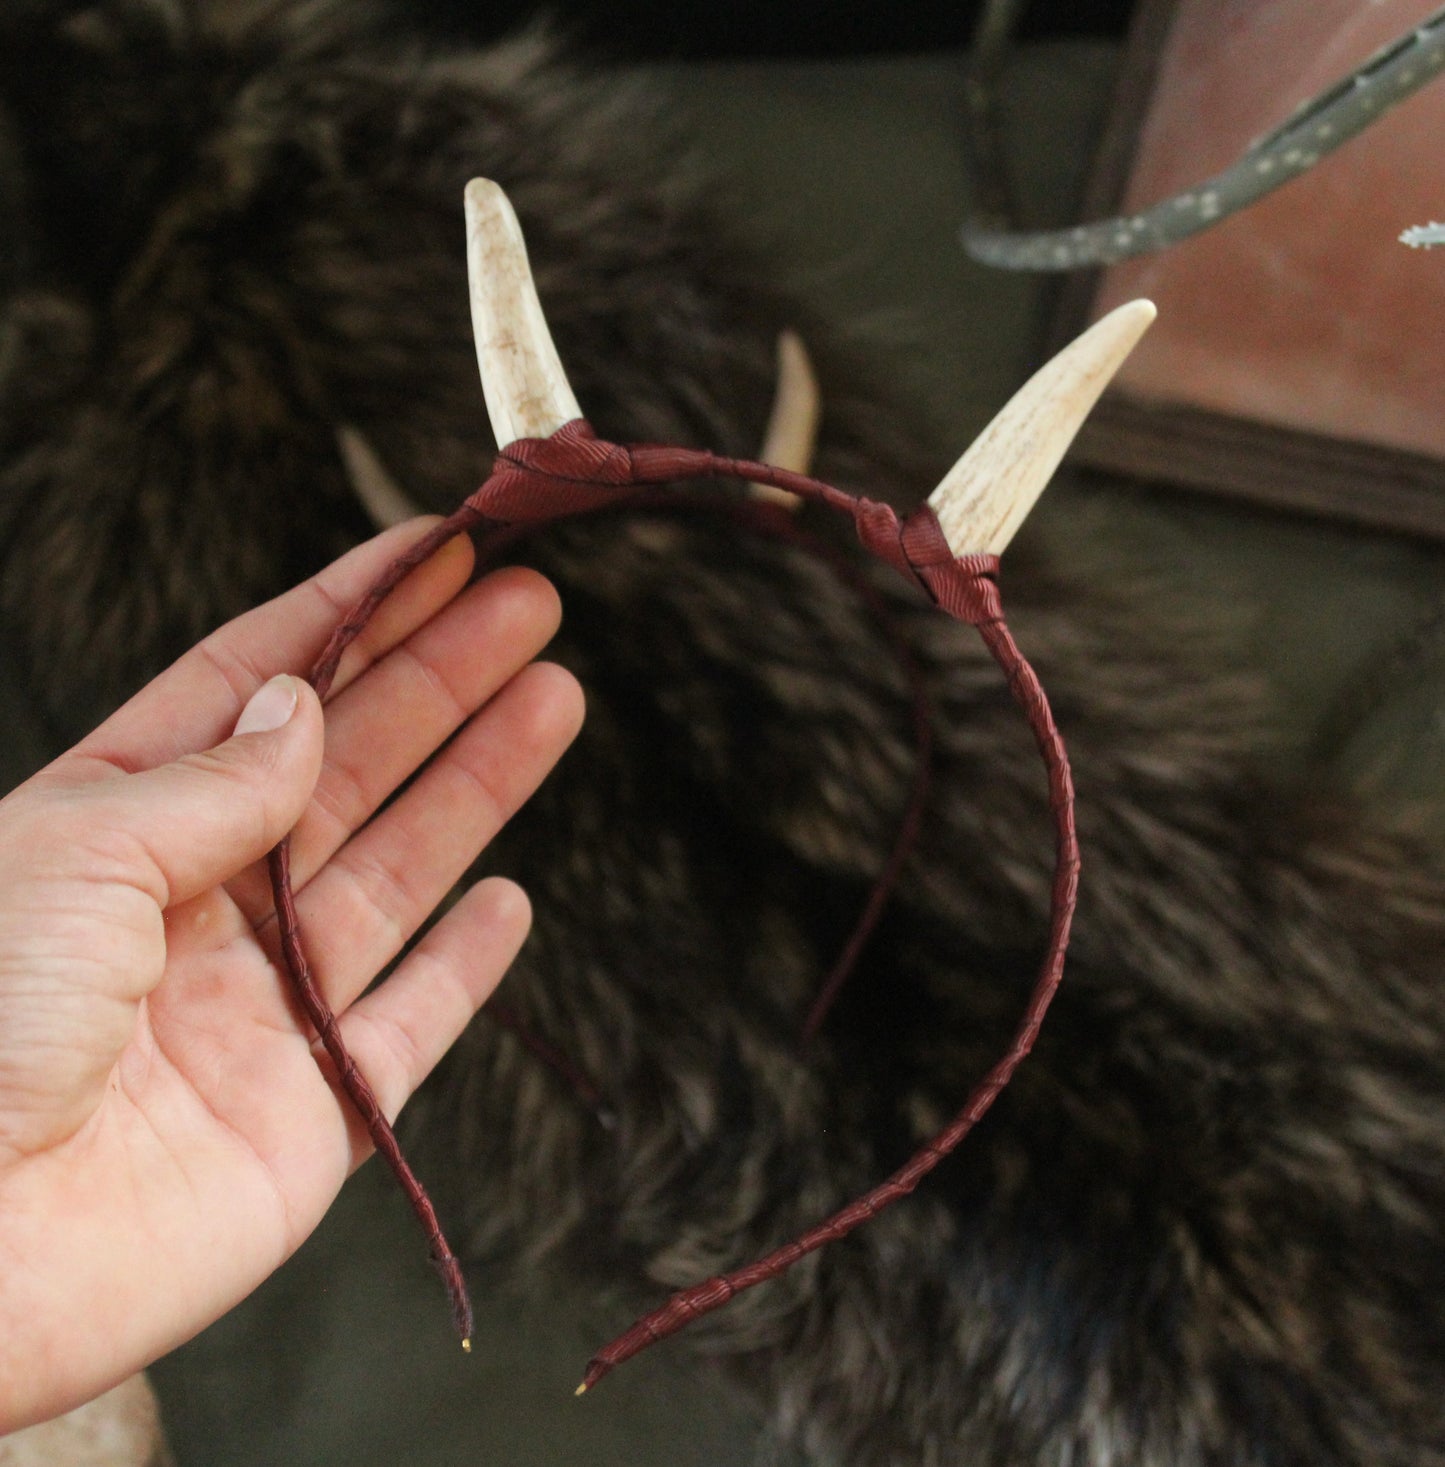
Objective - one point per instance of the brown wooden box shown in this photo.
(1299, 358)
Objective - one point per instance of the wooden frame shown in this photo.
(1182, 444)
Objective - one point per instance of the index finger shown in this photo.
(194, 704)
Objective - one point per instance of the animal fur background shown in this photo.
(1205, 1224)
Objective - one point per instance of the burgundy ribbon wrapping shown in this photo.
(535, 481)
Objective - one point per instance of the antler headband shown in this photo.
(552, 465)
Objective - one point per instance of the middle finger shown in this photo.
(383, 726)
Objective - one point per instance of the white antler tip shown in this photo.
(987, 494)
(792, 431)
(526, 389)
(483, 192)
(1129, 322)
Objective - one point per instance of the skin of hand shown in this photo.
(167, 1137)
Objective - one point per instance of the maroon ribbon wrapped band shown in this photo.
(536, 481)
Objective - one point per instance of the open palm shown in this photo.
(167, 1137)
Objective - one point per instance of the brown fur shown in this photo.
(1204, 1225)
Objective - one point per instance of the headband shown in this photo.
(553, 466)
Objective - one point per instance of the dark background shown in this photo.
(658, 30)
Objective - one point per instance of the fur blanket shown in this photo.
(1205, 1224)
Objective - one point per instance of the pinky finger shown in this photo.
(399, 1030)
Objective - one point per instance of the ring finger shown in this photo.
(362, 907)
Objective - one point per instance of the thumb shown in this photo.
(196, 822)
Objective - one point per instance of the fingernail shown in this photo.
(271, 705)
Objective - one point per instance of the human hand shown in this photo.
(167, 1138)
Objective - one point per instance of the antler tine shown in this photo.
(792, 431)
(526, 389)
(386, 503)
(988, 493)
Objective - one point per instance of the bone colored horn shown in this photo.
(526, 389)
(988, 493)
(792, 431)
(386, 503)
